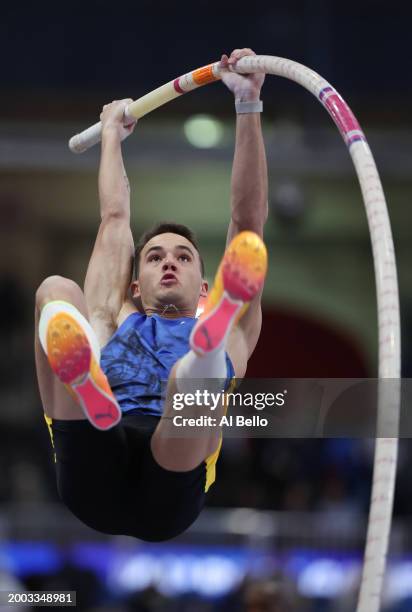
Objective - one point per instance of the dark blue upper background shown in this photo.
(128, 48)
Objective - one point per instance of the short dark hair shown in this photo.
(165, 227)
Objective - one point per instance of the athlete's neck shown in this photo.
(169, 311)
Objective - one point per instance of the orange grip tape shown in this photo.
(204, 75)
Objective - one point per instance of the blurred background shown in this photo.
(286, 520)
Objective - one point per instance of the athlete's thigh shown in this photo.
(170, 501)
(92, 470)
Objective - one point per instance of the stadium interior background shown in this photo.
(286, 519)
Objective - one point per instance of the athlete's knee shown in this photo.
(55, 288)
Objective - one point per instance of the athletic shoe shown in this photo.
(72, 358)
(239, 279)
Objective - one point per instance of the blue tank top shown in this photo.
(140, 355)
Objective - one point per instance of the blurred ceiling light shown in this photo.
(203, 131)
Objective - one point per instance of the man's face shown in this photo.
(169, 273)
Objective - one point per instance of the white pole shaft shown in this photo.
(146, 104)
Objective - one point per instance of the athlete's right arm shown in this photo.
(110, 268)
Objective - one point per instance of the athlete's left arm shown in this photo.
(249, 195)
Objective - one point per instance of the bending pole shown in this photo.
(386, 448)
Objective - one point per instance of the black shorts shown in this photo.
(112, 483)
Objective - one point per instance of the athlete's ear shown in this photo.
(135, 289)
(135, 295)
(204, 288)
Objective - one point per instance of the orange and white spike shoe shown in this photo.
(239, 279)
(72, 358)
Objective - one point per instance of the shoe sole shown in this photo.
(239, 279)
(72, 360)
(211, 332)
